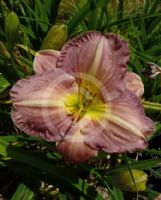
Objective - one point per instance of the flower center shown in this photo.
(85, 103)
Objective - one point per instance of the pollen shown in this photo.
(85, 104)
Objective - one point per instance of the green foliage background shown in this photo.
(30, 168)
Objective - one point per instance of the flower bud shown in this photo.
(56, 37)
(125, 182)
(11, 29)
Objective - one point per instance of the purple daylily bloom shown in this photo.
(84, 99)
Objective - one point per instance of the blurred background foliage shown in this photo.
(30, 168)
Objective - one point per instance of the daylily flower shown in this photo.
(84, 99)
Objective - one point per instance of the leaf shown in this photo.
(27, 30)
(154, 51)
(154, 6)
(9, 70)
(130, 170)
(154, 23)
(25, 190)
(120, 10)
(62, 197)
(142, 165)
(59, 174)
(153, 152)
(152, 42)
(137, 35)
(82, 13)
(117, 194)
(152, 193)
(41, 12)
(3, 84)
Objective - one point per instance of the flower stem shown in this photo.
(151, 105)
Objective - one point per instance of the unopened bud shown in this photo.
(56, 37)
(125, 181)
(11, 29)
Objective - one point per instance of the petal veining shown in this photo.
(38, 103)
(134, 83)
(103, 56)
(74, 149)
(123, 129)
(45, 60)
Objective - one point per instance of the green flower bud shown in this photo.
(125, 181)
(11, 29)
(56, 37)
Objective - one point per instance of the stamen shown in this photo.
(77, 115)
(79, 104)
